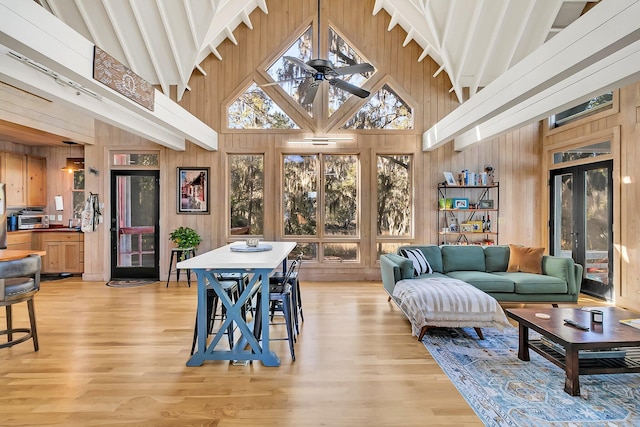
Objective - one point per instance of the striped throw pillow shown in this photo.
(420, 263)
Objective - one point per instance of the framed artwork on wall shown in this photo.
(193, 190)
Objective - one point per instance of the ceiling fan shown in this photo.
(319, 70)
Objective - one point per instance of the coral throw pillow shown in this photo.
(525, 259)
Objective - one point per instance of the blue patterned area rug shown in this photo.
(505, 391)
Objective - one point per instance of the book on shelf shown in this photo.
(634, 323)
(610, 353)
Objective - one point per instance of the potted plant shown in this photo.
(185, 238)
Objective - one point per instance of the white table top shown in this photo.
(225, 258)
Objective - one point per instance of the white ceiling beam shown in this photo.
(480, 71)
(173, 44)
(192, 24)
(262, 4)
(215, 52)
(409, 37)
(517, 37)
(229, 32)
(444, 51)
(615, 71)
(608, 27)
(87, 22)
(424, 53)
(394, 20)
(471, 34)
(30, 30)
(246, 19)
(377, 6)
(146, 36)
(128, 55)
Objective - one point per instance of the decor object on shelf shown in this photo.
(466, 227)
(449, 179)
(185, 237)
(485, 204)
(193, 190)
(462, 203)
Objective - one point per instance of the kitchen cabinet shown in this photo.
(65, 251)
(36, 181)
(13, 173)
(25, 179)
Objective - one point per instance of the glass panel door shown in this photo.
(134, 224)
(582, 223)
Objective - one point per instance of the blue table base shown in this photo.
(257, 350)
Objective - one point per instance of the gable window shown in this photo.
(254, 109)
(384, 110)
(246, 198)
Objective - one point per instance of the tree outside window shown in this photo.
(394, 204)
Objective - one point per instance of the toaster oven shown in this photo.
(29, 221)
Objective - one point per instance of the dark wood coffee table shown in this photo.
(609, 334)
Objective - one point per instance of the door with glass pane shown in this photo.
(135, 224)
(581, 225)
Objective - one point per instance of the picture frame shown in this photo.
(465, 227)
(461, 203)
(449, 179)
(476, 226)
(193, 190)
(485, 204)
(453, 225)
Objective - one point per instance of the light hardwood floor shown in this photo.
(117, 357)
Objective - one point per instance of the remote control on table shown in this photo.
(576, 324)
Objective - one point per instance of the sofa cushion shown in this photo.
(487, 282)
(525, 259)
(462, 258)
(496, 258)
(529, 283)
(431, 252)
(420, 263)
(405, 265)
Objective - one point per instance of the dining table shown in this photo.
(256, 261)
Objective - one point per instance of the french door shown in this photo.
(135, 215)
(581, 225)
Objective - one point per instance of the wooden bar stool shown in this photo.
(180, 254)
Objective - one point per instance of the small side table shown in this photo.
(180, 254)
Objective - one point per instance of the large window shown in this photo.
(246, 196)
(394, 203)
(322, 189)
(592, 106)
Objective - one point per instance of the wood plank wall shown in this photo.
(516, 156)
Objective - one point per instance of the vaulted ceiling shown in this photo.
(164, 41)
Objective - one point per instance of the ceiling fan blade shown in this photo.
(311, 92)
(354, 69)
(295, 79)
(301, 64)
(341, 84)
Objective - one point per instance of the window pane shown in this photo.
(589, 151)
(78, 203)
(126, 159)
(300, 195)
(246, 178)
(341, 195)
(384, 110)
(596, 104)
(597, 225)
(394, 214)
(254, 109)
(309, 251)
(293, 79)
(338, 252)
(343, 55)
(78, 180)
(388, 248)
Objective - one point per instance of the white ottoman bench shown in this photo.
(447, 302)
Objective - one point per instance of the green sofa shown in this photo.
(486, 269)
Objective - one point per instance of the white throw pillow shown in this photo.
(420, 263)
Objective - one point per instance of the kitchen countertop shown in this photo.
(48, 230)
